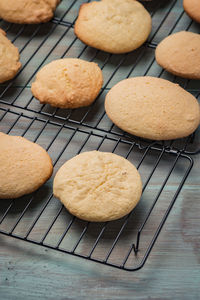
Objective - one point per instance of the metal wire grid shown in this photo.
(41, 219)
(41, 44)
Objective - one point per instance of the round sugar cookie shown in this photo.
(192, 8)
(98, 186)
(68, 83)
(27, 11)
(9, 58)
(24, 166)
(179, 54)
(152, 108)
(116, 26)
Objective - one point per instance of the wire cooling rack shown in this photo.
(43, 43)
(164, 166)
(41, 219)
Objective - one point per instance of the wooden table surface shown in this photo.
(29, 271)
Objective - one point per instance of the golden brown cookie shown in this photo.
(68, 83)
(192, 8)
(98, 186)
(179, 54)
(9, 58)
(24, 166)
(27, 11)
(152, 108)
(116, 26)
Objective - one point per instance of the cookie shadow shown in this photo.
(23, 209)
(26, 30)
(153, 4)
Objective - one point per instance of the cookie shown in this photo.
(192, 8)
(9, 58)
(179, 54)
(116, 26)
(27, 11)
(152, 108)
(24, 166)
(68, 83)
(98, 186)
